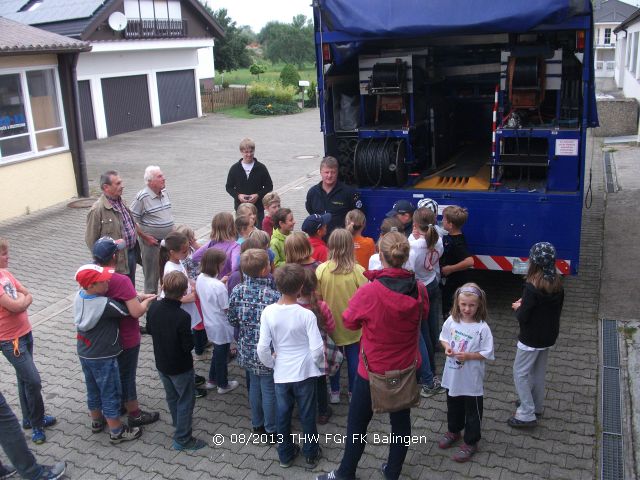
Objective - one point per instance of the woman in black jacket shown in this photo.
(249, 180)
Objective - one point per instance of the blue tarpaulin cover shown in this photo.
(409, 18)
(361, 19)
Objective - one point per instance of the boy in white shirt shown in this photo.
(291, 332)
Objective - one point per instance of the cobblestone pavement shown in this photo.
(48, 246)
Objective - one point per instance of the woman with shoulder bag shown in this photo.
(389, 311)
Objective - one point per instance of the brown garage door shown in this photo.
(126, 104)
(177, 95)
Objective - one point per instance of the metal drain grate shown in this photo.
(612, 445)
(608, 174)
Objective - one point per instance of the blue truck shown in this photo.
(479, 103)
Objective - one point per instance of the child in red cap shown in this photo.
(97, 318)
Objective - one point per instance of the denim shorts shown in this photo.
(128, 365)
(103, 385)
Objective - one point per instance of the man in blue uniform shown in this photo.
(331, 196)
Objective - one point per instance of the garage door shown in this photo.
(126, 104)
(86, 111)
(177, 95)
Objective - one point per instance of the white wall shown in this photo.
(206, 67)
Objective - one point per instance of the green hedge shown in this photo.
(267, 99)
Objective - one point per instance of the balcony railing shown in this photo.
(155, 28)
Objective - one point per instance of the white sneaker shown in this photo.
(232, 385)
(334, 397)
(210, 385)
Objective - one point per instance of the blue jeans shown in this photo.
(304, 394)
(218, 370)
(127, 366)
(262, 398)
(29, 383)
(180, 393)
(14, 444)
(103, 385)
(132, 264)
(425, 372)
(352, 356)
(360, 414)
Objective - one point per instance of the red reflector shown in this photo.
(326, 53)
(580, 40)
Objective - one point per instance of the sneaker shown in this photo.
(426, 391)
(448, 439)
(258, 430)
(465, 453)
(296, 452)
(334, 397)
(7, 471)
(333, 475)
(53, 472)
(537, 414)
(209, 385)
(199, 380)
(324, 419)
(38, 437)
(312, 462)
(515, 423)
(190, 445)
(47, 421)
(232, 385)
(126, 434)
(97, 426)
(200, 393)
(145, 418)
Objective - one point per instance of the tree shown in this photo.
(230, 52)
(289, 42)
(289, 76)
(257, 69)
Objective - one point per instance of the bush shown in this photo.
(311, 101)
(289, 76)
(266, 99)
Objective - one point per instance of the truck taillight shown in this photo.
(580, 40)
(326, 53)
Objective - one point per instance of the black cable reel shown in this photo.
(380, 163)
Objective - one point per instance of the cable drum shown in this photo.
(525, 72)
(380, 163)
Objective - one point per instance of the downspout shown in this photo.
(69, 61)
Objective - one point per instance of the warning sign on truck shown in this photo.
(566, 147)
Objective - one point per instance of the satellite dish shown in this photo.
(117, 21)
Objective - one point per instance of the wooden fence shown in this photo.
(228, 97)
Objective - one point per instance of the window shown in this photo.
(30, 116)
(607, 36)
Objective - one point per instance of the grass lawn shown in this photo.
(244, 77)
(239, 111)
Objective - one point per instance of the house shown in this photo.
(607, 15)
(41, 155)
(147, 60)
(627, 73)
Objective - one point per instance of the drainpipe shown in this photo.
(68, 62)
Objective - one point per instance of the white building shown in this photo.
(147, 60)
(627, 74)
(607, 15)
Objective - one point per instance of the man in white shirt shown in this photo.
(291, 332)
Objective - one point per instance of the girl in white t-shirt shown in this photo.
(426, 246)
(467, 341)
(173, 250)
(214, 301)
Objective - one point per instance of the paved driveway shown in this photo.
(48, 246)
